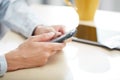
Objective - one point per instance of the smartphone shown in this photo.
(65, 36)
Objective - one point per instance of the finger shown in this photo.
(59, 28)
(68, 40)
(51, 29)
(53, 46)
(57, 34)
(43, 37)
(62, 30)
(56, 46)
(53, 52)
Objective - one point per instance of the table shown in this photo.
(77, 61)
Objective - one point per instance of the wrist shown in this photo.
(13, 60)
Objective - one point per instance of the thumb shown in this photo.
(43, 37)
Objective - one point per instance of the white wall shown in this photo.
(112, 5)
(55, 2)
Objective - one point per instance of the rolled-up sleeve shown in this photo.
(3, 65)
(20, 18)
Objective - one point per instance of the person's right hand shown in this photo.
(34, 52)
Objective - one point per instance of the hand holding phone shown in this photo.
(64, 37)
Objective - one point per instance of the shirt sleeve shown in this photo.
(3, 7)
(20, 18)
(3, 65)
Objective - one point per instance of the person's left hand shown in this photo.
(58, 29)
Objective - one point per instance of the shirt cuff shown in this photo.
(3, 65)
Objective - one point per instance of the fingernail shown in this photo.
(59, 33)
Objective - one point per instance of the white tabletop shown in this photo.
(78, 61)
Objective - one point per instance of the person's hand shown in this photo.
(57, 29)
(34, 52)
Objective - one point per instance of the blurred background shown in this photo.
(110, 5)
